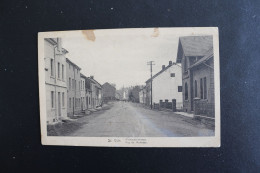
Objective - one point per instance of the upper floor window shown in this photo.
(185, 63)
(62, 71)
(51, 67)
(186, 91)
(69, 83)
(172, 74)
(58, 70)
(179, 88)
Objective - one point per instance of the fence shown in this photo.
(166, 105)
(202, 107)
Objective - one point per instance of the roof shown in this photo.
(209, 54)
(108, 84)
(82, 75)
(194, 46)
(94, 81)
(157, 74)
(68, 60)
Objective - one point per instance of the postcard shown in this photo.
(135, 87)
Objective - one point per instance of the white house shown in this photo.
(167, 84)
(55, 80)
(142, 95)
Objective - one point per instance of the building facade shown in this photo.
(73, 88)
(196, 55)
(96, 93)
(109, 92)
(167, 85)
(55, 80)
(83, 101)
(142, 95)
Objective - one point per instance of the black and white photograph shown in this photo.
(141, 87)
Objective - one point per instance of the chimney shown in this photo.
(163, 67)
(59, 44)
(170, 62)
(92, 77)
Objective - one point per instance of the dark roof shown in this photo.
(209, 54)
(82, 75)
(157, 74)
(53, 41)
(94, 81)
(108, 84)
(194, 46)
(68, 60)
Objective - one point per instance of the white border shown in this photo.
(131, 141)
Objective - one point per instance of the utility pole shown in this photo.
(151, 68)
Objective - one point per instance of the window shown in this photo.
(179, 88)
(185, 63)
(69, 83)
(58, 70)
(70, 102)
(69, 66)
(205, 88)
(79, 85)
(195, 88)
(75, 84)
(201, 88)
(51, 67)
(62, 71)
(186, 91)
(172, 74)
(63, 99)
(52, 99)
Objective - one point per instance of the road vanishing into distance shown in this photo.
(126, 119)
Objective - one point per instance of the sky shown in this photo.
(120, 56)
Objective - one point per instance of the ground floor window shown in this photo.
(63, 99)
(205, 88)
(201, 88)
(195, 89)
(52, 99)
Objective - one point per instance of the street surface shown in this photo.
(125, 119)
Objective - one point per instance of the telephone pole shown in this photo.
(151, 67)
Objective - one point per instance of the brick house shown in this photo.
(196, 55)
(55, 80)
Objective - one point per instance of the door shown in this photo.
(87, 102)
(59, 104)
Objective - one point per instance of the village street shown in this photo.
(126, 119)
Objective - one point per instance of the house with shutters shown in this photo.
(195, 53)
(166, 85)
